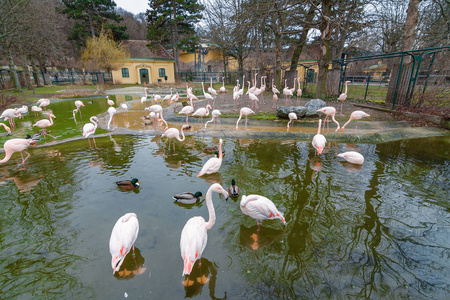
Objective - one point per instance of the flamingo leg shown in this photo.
(89, 143)
(246, 122)
(94, 143)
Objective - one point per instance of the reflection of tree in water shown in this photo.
(202, 272)
(131, 266)
(253, 239)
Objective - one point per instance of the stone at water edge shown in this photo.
(309, 110)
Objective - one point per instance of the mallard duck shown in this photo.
(213, 149)
(233, 189)
(188, 197)
(128, 184)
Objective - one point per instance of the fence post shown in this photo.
(367, 87)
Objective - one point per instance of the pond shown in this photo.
(376, 231)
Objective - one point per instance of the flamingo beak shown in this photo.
(319, 150)
(225, 193)
(33, 143)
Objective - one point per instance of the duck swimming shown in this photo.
(128, 184)
(188, 197)
(233, 189)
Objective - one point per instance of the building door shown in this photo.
(143, 74)
(310, 75)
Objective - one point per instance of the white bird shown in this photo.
(89, 129)
(299, 91)
(194, 235)
(287, 92)
(212, 90)
(9, 114)
(213, 164)
(222, 88)
(124, 106)
(123, 236)
(187, 110)
(17, 145)
(168, 97)
(319, 140)
(6, 128)
(207, 95)
(144, 99)
(253, 88)
(189, 93)
(22, 110)
(343, 96)
(245, 111)
(214, 115)
(174, 98)
(44, 123)
(253, 98)
(329, 111)
(157, 109)
(292, 116)
(78, 105)
(43, 102)
(36, 109)
(352, 157)
(111, 112)
(173, 133)
(260, 208)
(157, 98)
(241, 91)
(109, 101)
(356, 115)
(274, 88)
(202, 112)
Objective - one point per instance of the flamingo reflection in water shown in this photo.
(315, 164)
(255, 237)
(199, 277)
(132, 265)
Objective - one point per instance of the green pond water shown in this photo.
(380, 231)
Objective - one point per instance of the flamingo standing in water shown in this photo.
(213, 164)
(260, 208)
(111, 111)
(22, 111)
(319, 140)
(89, 129)
(352, 157)
(214, 114)
(144, 99)
(356, 115)
(17, 145)
(343, 96)
(124, 106)
(245, 111)
(43, 103)
(292, 116)
(44, 123)
(157, 109)
(109, 101)
(78, 105)
(187, 110)
(173, 133)
(202, 112)
(123, 236)
(194, 235)
(329, 111)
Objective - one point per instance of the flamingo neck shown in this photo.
(345, 88)
(182, 133)
(8, 154)
(220, 151)
(211, 211)
(320, 124)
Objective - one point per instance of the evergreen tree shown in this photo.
(91, 16)
(171, 23)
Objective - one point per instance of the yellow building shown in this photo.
(377, 71)
(206, 58)
(145, 65)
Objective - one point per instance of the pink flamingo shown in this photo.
(173, 133)
(79, 105)
(343, 96)
(157, 109)
(214, 115)
(89, 129)
(111, 111)
(44, 123)
(123, 236)
(202, 112)
(36, 109)
(287, 92)
(260, 208)
(292, 116)
(194, 235)
(17, 145)
(356, 115)
(299, 92)
(187, 110)
(6, 128)
(9, 114)
(245, 111)
(329, 111)
(168, 97)
(109, 101)
(319, 140)
(222, 88)
(352, 157)
(207, 95)
(43, 103)
(213, 164)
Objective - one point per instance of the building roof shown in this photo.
(140, 49)
(374, 67)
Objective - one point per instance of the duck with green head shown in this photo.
(128, 184)
(233, 189)
(188, 197)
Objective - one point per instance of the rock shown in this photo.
(309, 110)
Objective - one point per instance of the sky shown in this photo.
(133, 6)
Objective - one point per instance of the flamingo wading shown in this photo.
(122, 239)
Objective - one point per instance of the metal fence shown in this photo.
(55, 78)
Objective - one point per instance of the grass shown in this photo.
(269, 115)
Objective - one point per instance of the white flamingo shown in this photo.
(36, 109)
(78, 105)
(222, 88)
(22, 111)
(343, 96)
(194, 235)
(207, 95)
(214, 114)
(245, 111)
(168, 97)
(292, 116)
(202, 112)
(109, 101)
(144, 99)
(299, 92)
(173, 133)
(356, 115)
(89, 129)
(157, 109)
(44, 123)
(111, 111)
(123, 237)
(287, 92)
(213, 164)
(187, 110)
(212, 90)
(9, 114)
(352, 157)
(329, 111)
(319, 140)
(260, 208)
(44, 103)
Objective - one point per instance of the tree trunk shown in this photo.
(13, 72)
(225, 63)
(302, 41)
(399, 82)
(175, 42)
(278, 61)
(26, 71)
(36, 73)
(324, 60)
